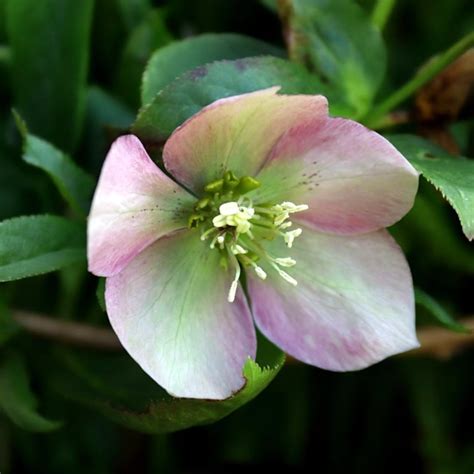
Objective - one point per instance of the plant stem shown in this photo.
(435, 341)
(425, 74)
(381, 13)
(68, 332)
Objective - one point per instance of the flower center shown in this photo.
(238, 227)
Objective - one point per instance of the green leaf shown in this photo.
(115, 386)
(191, 92)
(438, 312)
(149, 35)
(32, 245)
(49, 40)
(16, 398)
(452, 176)
(177, 58)
(337, 40)
(74, 184)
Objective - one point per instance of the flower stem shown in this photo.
(425, 74)
(381, 13)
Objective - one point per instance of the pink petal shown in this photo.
(169, 309)
(353, 179)
(236, 134)
(353, 305)
(134, 204)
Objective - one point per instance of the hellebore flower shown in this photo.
(269, 185)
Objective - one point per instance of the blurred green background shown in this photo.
(408, 414)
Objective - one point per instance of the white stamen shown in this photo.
(235, 282)
(285, 275)
(291, 236)
(291, 207)
(232, 291)
(285, 261)
(285, 225)
(231, 214)
(219, 221)
(281, 217)
(238, 250)
(229, 208)
(260, 272)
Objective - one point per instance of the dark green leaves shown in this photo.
(452, 176)
(171, 61)
(16, 398)
(32, 245)
(116, 387)
(49, 42)
(74, 184)
(201, 86)
(336, 40)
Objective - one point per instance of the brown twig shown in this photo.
(435, 341)
(67, 332)
(442, 343)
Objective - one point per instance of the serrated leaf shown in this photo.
(49, 40)
(74, 184)
(202, 86)
(16, 398)
(116, 386)
(337, 40)
(452, 176)
(32, 245)
(438, 312)
(173, 60)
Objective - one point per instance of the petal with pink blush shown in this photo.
(353, 179)
(134, 204)
(170, 311)
(353, 305)
(236, 134)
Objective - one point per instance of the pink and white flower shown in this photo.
(269, 185)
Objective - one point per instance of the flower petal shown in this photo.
(353, 179)
(169, 309)
(134, 204)
(353, 305)
(236, 134)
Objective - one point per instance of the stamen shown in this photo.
(208, 232)
(239, 228)
(235, 282)
(238, 250)
(291, 207)
(284, 275)
(291, 236)
(285, 261)
(229, 208)
(260, 271)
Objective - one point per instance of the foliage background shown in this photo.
(409, 413)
